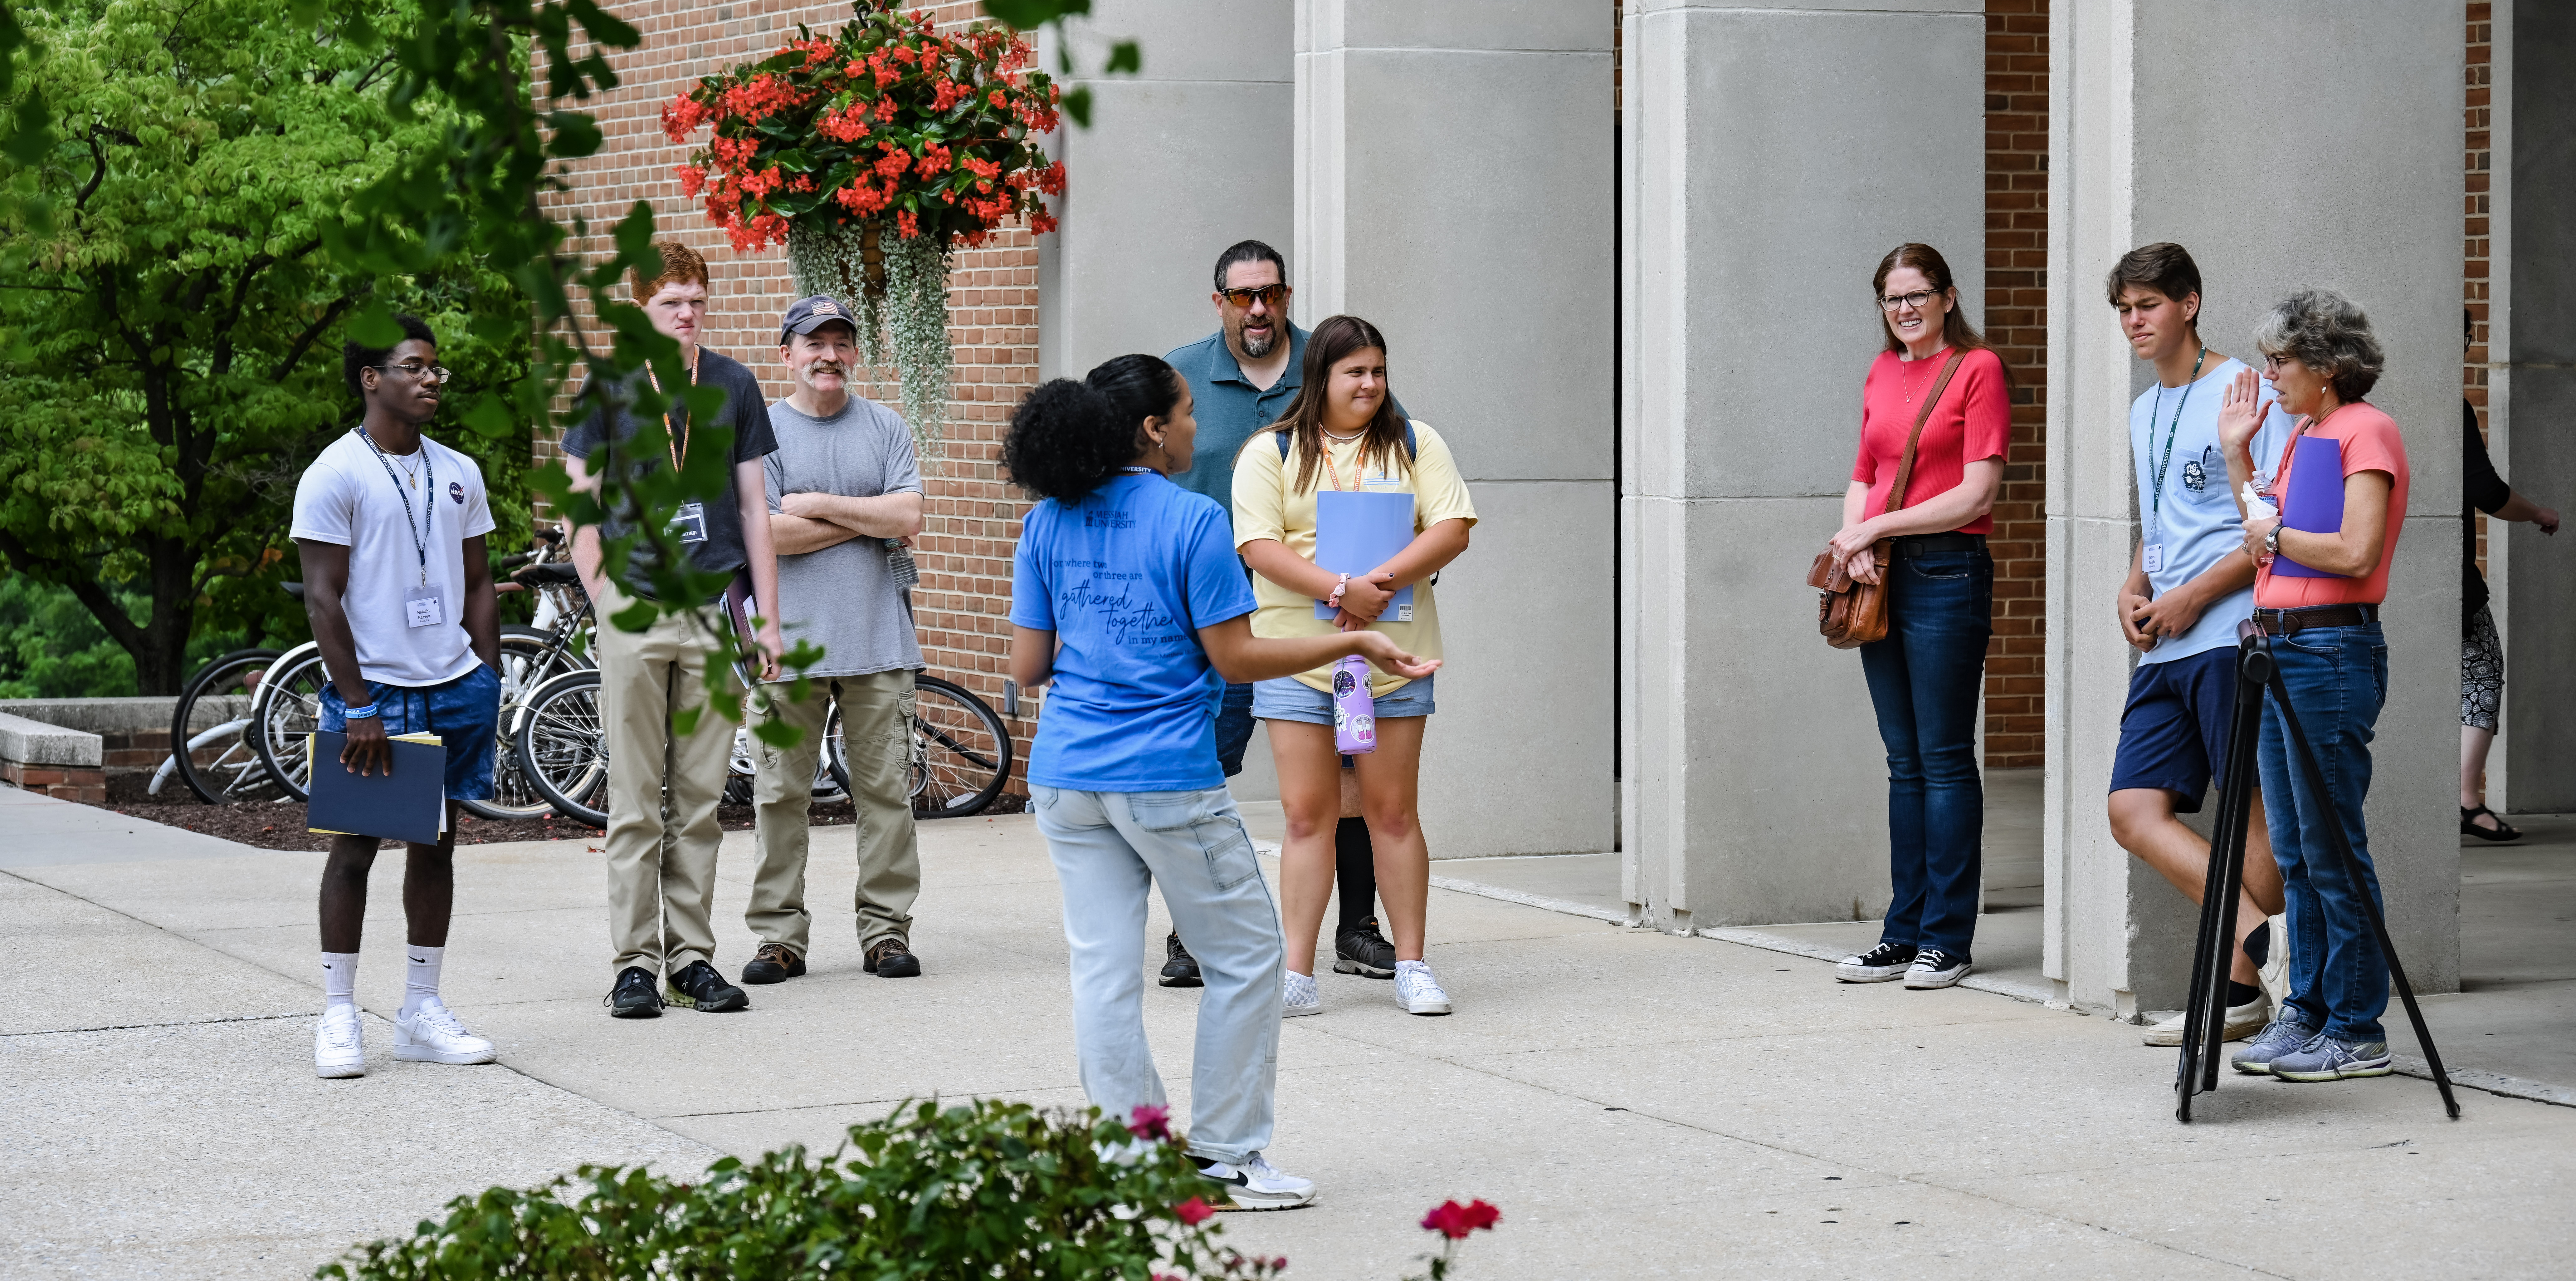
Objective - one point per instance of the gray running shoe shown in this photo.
(2331, 1058)
(2283, 1036)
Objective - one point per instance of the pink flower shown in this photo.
(1195, 1212)
(1455, 1221)
(1150, 1122)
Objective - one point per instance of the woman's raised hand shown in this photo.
(1382, 651)
(2240, 413)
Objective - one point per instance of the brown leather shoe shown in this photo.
(773, 963)
(891, 959)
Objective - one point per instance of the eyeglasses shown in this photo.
(1918, 300)
(2272, 363)
(1270, 295)
(416, 371)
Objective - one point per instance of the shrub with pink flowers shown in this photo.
(871, 155)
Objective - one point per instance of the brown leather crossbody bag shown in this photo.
(1852, 613)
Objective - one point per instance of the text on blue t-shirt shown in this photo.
(1125, 578)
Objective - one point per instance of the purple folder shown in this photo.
(2314, 503)
(1357, 531)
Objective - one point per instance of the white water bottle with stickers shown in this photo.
(1354, 711)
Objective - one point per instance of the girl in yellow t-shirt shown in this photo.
(1341, 431)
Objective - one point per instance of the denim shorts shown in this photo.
(1290, 699)
(464, 713)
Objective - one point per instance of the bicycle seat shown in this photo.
(295, 590)
(559, 573)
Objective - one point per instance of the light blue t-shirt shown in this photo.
(1125, 578)
(2196, 518)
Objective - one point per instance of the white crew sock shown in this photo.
(420, 976)
(339, 978)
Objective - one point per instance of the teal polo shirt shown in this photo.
(1230, 409)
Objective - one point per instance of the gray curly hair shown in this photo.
(2328, 333)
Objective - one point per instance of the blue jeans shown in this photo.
(1233, 728)
(1925, 679)
(2337, 677)
(1107, 847)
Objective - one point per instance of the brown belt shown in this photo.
(2284, 622)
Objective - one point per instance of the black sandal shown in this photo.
(2502, 831)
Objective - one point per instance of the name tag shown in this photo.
(690, 523)
(2152, 558)
(424, 606)
(1404, 613)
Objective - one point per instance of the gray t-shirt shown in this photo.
(843, 597)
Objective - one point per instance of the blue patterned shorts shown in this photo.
(464, 713)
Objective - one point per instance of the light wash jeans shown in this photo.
(1107, 847)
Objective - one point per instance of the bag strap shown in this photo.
(1905, 469)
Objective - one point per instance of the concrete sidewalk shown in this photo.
(1637, 1104)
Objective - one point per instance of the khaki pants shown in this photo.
(661, 848)
(876, 732)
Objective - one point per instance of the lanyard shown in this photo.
(419, 544)
(680, 447)
(1333, 471)
(2156, 505)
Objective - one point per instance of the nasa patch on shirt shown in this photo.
(456, 490)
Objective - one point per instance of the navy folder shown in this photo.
(409, 804)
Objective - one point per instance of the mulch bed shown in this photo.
(279, 825)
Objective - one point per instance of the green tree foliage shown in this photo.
(169, 323)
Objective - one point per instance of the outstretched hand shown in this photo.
(1382, 651)
(2241, 410)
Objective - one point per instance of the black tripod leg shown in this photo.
(2351, 863)
(2204, 1009)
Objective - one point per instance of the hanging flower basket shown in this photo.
(872, 155)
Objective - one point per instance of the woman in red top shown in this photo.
(1926, 677)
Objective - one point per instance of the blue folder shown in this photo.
(408, 804)
(1358, 530)
(2314, 501)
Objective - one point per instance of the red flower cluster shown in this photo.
(1194, 1211)
(1455, 1221)
(890, 119)
(1150, 1122)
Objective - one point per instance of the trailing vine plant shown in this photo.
(872, 155)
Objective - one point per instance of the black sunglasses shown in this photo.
(1272, 295)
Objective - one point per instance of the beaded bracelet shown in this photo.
(361, 713)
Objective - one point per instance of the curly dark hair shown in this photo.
(1068, 436)
(354, 357)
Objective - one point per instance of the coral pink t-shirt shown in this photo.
(2370, 442)
(1973, 422)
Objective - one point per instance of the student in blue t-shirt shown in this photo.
(1127, 595)
(2189, 585)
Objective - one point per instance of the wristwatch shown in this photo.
(2272, 541)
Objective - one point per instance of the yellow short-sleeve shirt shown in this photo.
(1264, 508)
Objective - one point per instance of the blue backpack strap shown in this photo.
(1282, 438)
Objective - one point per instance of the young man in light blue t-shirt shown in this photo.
(2189, 584)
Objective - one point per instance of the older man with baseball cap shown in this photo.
(844, 489)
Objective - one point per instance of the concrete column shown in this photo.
(2532, 397)
(1773, 155)
(1454, 175)
(2333, 166)
(1179, 162)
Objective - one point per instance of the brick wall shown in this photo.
(2016, 322)
(972, 516)
(62, 782)
(2473, 219)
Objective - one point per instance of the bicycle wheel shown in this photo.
(836, 755)
(961, 751)
(286, 710)
(213, 758)
(529, 657)
(562, 747)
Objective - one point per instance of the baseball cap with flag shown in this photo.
(805, 315)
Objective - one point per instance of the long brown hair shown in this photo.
(1333, 341)
(1956, 329)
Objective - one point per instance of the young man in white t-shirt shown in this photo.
(2189, 584)
(390, 527)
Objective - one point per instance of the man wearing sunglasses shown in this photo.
(1243, 377)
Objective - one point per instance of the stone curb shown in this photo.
(28, 742)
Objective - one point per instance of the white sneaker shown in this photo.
(1935, 968)
(2242, 1021)
(338, 1050)
(1256, 1184)
(1416, 992)
(431, 1034)
(1297, 995)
